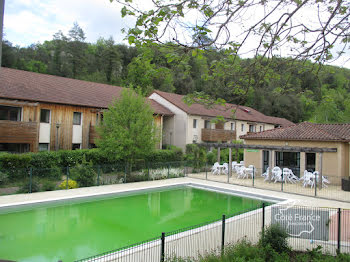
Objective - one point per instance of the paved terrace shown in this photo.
(330, 192)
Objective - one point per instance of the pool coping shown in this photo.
(128, 191)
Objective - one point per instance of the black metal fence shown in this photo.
(47, 179)
(29, 180)
(308, 228)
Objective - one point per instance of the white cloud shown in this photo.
(30, 21)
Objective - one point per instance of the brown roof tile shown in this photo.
(242, 112)
(305, 131)
(29, 86)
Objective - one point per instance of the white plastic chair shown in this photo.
(249, 171)
(289, 176)
(276, 174)
(325, 181)
(308, 179)
(240, 172)
(266, 174)
(225, 168)
(215, 168)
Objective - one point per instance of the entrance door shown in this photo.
(266, 159)
(290, 160)
(310, 162)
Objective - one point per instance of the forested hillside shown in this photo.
(279, 87)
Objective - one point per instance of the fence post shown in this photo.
(98, 174)
(67, 176)
(315, 185)
(147, 171)
(253, 175)
(162, 248)
(125, 171)
(206, 170)
(339, 230)
(30, 179)
(185, 169)
(263, 218)
(223, 235)
(282, 183)
(168, 170)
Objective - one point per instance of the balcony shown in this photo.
(216, 135)
(92, 135)
(18, 132)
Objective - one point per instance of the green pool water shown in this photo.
(74, 230)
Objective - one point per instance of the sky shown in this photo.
(32, 21)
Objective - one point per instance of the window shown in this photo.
(76, 118)
(261, 128)
(207, 124)
(43, 147)
(251, 128)
(14, 148)
(242, 127)
(194, 123)
(232, 126)
(44, 116)
(75, 146)
(290, 160)
(10, 113)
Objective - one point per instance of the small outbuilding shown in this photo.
(329, 149)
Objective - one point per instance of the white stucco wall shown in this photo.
(193, 133)
(177, 124)
(239, 132)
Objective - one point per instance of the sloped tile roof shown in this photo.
(305, 131)
(30, 86)
(241, 112)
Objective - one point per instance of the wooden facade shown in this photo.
(61, 124)
(19, 133)
(215, 135)
(27, 131)
(93, 135)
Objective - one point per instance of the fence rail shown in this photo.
(308, 227)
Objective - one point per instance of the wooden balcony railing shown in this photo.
(215, 135)
(92, 135)
(18, 132)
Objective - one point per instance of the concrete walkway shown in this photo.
(21, 199)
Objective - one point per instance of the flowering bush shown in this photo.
(71, 184)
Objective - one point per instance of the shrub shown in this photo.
(15, 165)
(3, 178)
(44, 159)
(165, 155)
(195, 155)
(48, 186)
(27, 188)
(276, 237)
(84, 173)
(71, 184)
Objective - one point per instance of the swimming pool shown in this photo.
(79, 228)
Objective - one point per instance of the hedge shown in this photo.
(70, 158)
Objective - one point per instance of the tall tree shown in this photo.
(128, 130)
(76, 49)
